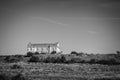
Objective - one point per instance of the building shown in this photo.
(43, 48)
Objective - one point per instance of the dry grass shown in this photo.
(50, 71)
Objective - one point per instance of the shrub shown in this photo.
(53, 52)
(4, 77)
(43, 53)
(92, 61)
(75, 60)
(118, 52)
(114, 78)
(19, 77)
(11, 59)
(108, 62)
(15, 66)
(63, 59)
(29, 54)
(59, 59)
(51, 59)
(47, 60)
(34, 59)
(36, 53)
(16, 77)
(19, 56)
(74, 52)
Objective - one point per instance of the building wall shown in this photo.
(47, 48)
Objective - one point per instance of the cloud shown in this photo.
(50, 21)
(111, 4)
(114, 18)
(92, 32)
(101, 18)
(27, 0)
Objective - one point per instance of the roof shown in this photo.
(43, 45)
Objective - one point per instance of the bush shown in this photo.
(47, 60)
(15, 66)
(108, 62)
(19, 56)
(34, 59)
(43, 53)
(50, 60)
(118, 52)
(11, 59)
(19, 77)
(36, 53)
(59, 59)
(63, 59)
(74, 52)
(4, 77)
(16, 77)
(75, 60)
(114, 78)
(53, 52)
(29, 54)
(92, 61)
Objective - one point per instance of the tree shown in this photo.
(63, 59)
(29, 54)
(34, 59)
(118, 52)
(53, 52)
(74, 52)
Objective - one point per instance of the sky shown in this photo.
(90, 26)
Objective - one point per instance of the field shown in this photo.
(55, 71)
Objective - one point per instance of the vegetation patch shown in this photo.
(16, 66)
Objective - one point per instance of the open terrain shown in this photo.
(52, 71)
(74, 66)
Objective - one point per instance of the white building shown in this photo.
(43, 48)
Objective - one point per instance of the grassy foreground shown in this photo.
(52, 71)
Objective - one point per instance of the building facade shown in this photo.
(43, 47)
